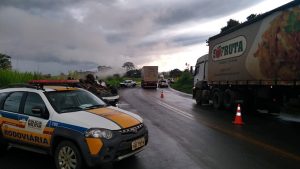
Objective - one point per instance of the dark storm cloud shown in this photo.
(47, 4)
(188, 40)
(33, 37)
(117, 37)
(102, 32)
(201, 10)
(37, 4)
(176, 41)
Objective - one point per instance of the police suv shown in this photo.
(72, 124)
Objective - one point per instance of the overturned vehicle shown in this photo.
(109, 94)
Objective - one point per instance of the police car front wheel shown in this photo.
(3, 148)
(67, 156)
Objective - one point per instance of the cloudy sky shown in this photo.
(57, 36)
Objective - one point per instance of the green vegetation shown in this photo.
(114, 81)
(5, 63)
(8, 77)
(184, 83)
(128, 66)
(175, 73)
(13, 77)
(230, 24)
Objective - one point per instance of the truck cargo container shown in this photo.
(149, 77)
(256, 63)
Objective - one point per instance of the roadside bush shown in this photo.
(184, 83)
(114, 81)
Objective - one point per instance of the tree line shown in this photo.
(232, 23)
(5, 63)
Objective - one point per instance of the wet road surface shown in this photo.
(184, 135)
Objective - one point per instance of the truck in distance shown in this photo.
(149, 77)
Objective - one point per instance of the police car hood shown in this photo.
(109, 118)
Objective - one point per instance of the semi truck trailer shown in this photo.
(256, 63)
(149, 77)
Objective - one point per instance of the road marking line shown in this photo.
(180, 112)
(122, 104)
(234, 134)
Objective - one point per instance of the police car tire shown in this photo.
(3, 148)
(73, 147)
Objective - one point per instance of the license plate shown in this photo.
(138, 143)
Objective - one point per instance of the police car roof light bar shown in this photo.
(53, 81)
(40, 83)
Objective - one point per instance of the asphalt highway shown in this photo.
(184, 135)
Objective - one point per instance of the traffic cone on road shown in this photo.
(238, 117)
(162, 94)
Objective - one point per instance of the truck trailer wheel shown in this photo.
(198, 97)
(218, 99)
(229, 98)
(274, 107)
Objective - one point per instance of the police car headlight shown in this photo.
(99, 133)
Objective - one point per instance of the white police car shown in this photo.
(72, 124)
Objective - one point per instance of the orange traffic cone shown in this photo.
(238, 117)
(162, 94)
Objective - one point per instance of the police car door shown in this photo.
(9, 116)
(35, 131)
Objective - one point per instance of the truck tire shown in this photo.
(274, 107)
(67, 155)
(198, 97)
(205, 96)
(218, 99)
(229, 98)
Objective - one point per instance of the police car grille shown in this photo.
(131, 130)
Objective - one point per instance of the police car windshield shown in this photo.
(73, 100)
